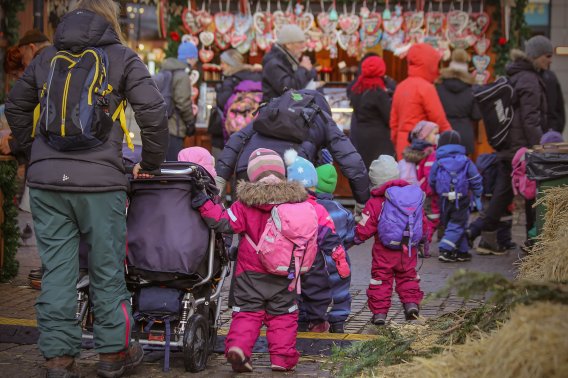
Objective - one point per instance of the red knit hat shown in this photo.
(372, 71)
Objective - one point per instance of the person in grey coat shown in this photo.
(454, 89)
(284, 67)
(182, 122)
(82, 194)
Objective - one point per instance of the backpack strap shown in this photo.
(254, 246)
(37, 110)
(120, 113)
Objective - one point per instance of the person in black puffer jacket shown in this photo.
(284, 67)
(526, 130)
(324, 133)
(454, 89)
(82, 193)
(234, 71)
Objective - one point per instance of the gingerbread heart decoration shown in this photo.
(434, 23)
(244, 46)
(478, 24)
(224, 22)
(193, 77)
(237, 39)
(189, 20)
(206, 38)
(460, 40)
(392, 41)
(204, 18)
(264, 41)
(371, 25)
(482, 45)
(481, 77)
(393, 25)
(415, 36)
(325, 23)
(279, 19)
(206, 55)
(343, 39)
(243, 23)
(349, 23)
(222, 40)
(262, 22)
(413, 20)
(481, 62)
(305, 21)
(457, 21)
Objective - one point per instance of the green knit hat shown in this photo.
(327, 179)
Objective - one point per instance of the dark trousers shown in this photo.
(175, 145)
(502, 197)
(316, 292)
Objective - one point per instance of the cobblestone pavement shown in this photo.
(24, 360)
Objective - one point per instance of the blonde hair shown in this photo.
(107, 9)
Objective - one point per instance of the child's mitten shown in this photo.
(338, 255)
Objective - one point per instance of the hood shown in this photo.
(82, 28)
(319, 99)
(280, 52)
(423, 61)
(455, 85)
(172, 64)
(449, 150)
(380, 191)
(414, 156)
(259, 194)
(460, 76)
(519, 62)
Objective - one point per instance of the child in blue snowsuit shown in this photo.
(453, 176)
(345, 228)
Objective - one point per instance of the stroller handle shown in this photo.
(186, 171)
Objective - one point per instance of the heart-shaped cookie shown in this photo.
(262, 22)
(237, 39)
(392, 41)
(370, 41)
(244, 46)
(189, 20)
(194, 77)
(206, 55)
(343, 39)
(371, 25)
(413, 20)
(393, 25)
(305, 21)
(206, 38)
(415, 36)
(264, 41)
(434, 23)
(478, 24)
(204, 18)
(280, 18)
(325, 23)
(482, 45)
(222, 40)
(460, 40)
(481, 77)
(481, 62)
(224, 22)
(457, 21)
(242, 23)
(349, 23)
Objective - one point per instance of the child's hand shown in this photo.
(341, 262)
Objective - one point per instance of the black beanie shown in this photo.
(449, 137)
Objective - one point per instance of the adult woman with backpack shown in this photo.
(77, 180)
(454, 89)
(371, 109)
(235, 71)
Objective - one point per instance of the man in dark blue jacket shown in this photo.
(324, 133)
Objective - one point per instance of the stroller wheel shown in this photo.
(195, 344)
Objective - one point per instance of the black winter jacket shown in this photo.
(530, 106)
(556, 113)
(461, 109)
(370, 133)
(323, 134)
(224, 91)
(281, 71)
(99, 169)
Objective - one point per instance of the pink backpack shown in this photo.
(521, 183)
(288, 243)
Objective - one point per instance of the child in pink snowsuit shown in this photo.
(421, 154)
(201, 156)
(257, 296)
(388, 264)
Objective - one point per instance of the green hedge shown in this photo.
(10, 229)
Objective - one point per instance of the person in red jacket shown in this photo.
(415, 98)
(388, 264)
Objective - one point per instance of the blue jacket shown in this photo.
(342, 218)
(324, 133)
(473, 176)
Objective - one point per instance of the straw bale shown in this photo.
(548, 259)
(532, 344)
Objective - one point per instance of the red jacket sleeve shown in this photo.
(367, 226)
(231, 220)
(434, 109)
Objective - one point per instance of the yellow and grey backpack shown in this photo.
(73, 111)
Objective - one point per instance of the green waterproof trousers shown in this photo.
(59, 219)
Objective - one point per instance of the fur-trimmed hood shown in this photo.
(260, 193)
(519, 62)
(452, 73)
(415, 156)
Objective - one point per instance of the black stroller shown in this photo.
(175, 269)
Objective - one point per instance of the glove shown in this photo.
(198, 196)
(358, 210)
(340, 259)
(221, 184)
(478, 203)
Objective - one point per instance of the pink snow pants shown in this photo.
(389, 266)
(281, 334)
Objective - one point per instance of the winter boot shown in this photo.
(411, 311)
(338, 327)
(281, 368)
(62, 367)
(239, 363)
(447, 256)
(463, 256)
(488, 245)
(113, 365)
(379, 319)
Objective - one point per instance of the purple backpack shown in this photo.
(400, 221)
(451, 176)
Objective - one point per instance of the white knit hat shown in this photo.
(384, 169)
(290, 33)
